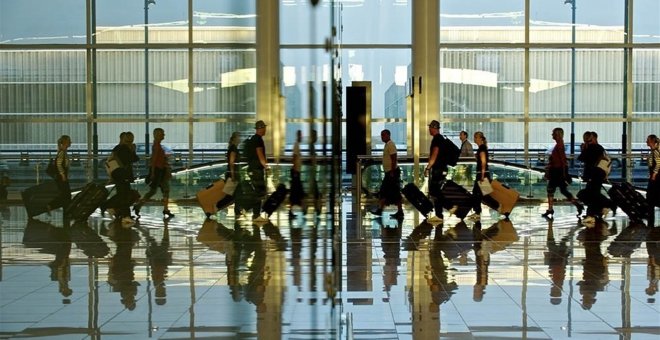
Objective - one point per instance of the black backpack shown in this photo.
(449, 152)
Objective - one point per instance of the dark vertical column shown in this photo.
(356, 129)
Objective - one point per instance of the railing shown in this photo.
(528, 181)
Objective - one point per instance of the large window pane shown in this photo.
(224, 21)
(387, 70)
(123, 21)
(376, 22)
(646, 23)
(225, 95)
(301, 23)
(646, 82)
(598, 83)
(42, 22)
(121, 83)
(482, 21)
(596, 21)
(475, 84)
(40, 85)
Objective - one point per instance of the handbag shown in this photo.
(605, 164)
(230, 186)
(52, 170)
(111, 164)
(485, 187)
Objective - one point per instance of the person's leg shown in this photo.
(435, 183)
(165, 189)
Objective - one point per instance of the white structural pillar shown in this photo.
(425, 71)
(269, 104)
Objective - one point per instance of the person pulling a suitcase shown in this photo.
(159, 175)
(556, 173)
(232, 177)
(591, 154)
(483, 174)
(653, 188)
(255, 153)
(122, 177)
(62, 163)
(436, 170)
(297, 191)
(390, 192)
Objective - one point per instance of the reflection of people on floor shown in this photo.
(254, 290)
(595, 275)
(455, 242)
(390, 240)
(438, 280)
(556, 258)
(424, 281)
(121, 274)
(482, 260)
(60, 268)
(420, 232)
(160, 257)
(653, 264)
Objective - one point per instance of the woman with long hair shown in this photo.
(482, 174)
(62, 163)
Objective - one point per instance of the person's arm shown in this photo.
(656, 160)
(262, 157)
(61, 168)
(232, 164)
(432, 158)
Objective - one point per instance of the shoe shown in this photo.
(127, 222)
(475, 217)
(580, 208)
(435, 219)
(549, 214)
(102, 212)
(136, 210)
(614, 207)
(377, 212)
(453, 209)
(167, 214)
(398, 215)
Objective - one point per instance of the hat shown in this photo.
(434, 124)
(259, 124)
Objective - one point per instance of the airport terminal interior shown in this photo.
(339, 72)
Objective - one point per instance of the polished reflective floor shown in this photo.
(229, 278)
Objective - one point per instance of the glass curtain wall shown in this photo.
(147, 64)
(579, 73)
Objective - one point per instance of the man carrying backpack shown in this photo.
(441, 155)
(255, 153)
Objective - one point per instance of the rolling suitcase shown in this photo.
(417, 198)
(41, 198)
(275, 199)
(505, 196)
(86, 201)
(626, 197)
(456, 199)
(208, 197)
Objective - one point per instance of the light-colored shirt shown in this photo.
(654, 160)
(466, 149)
(388, 150)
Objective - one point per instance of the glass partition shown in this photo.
(32, 22)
